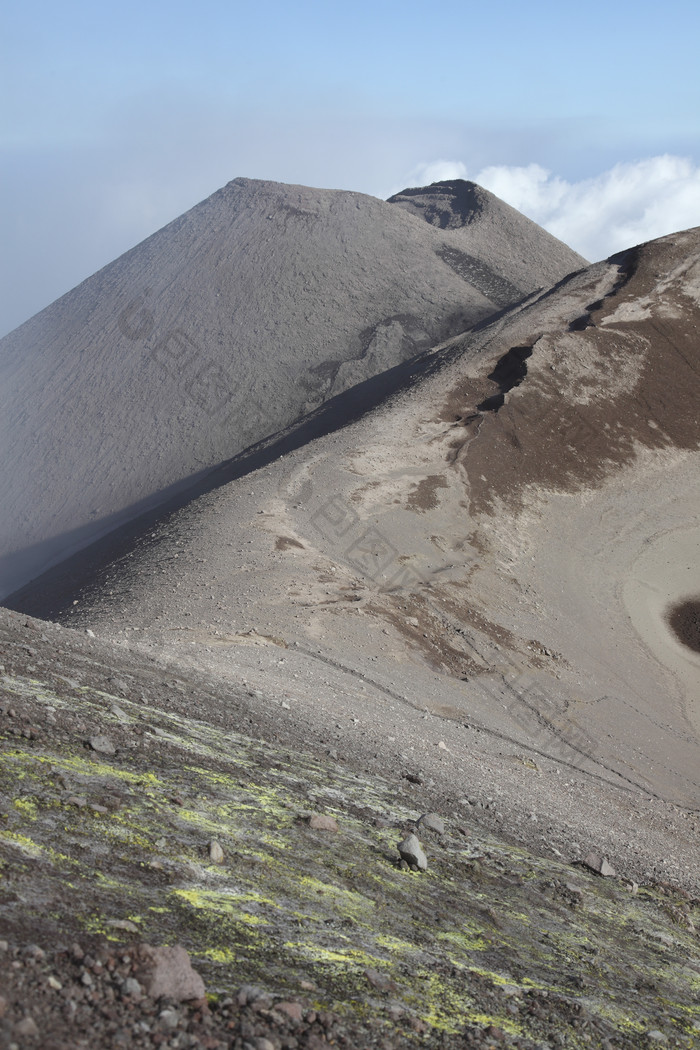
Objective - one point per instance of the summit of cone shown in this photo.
(485, 227)
(225, 326)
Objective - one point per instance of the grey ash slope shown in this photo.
(225, 326)
(483, 561)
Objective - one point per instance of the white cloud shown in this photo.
(631, 203)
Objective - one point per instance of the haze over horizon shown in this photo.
(118, 119)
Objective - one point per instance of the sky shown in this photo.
(116, 118)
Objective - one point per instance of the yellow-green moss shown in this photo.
(220, 904)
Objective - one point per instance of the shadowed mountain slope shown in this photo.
(222, 328)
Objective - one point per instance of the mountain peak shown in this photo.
(448, 204)
(265, 294)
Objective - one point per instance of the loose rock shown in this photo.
(167, 972)
(132, 987)
(381, 981)
(433, 822)
(123, 924)
(323, 822)
(169, 1018)
(411, 851)
(216, 853)
(102, 744)
(27, 1028)
(291, 1010)
(594, 862)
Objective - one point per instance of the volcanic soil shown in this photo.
(442, 604)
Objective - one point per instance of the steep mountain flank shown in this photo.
(224, 327)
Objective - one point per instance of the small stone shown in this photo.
(89, 633)
(655, 1036)
(249, 993)
(169, 1018)
(76, 800)
(119, 713)
(102, 744)
(3, 1006)
(291, 1010)
(54, 983)
(26, 1028)
(123, 924)
(4, 946)
(433, 822)
(381, 981)
(442, 745)
(166, 972)
(132, 987)
(411, 852)
(261, 1043)
(323, 822)
(216, 854)
(594, 862)
(33, 951)
(574, 890)
(662, 938)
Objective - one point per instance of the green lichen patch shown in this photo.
(488, 936)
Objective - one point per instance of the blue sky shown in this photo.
(116, 118)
